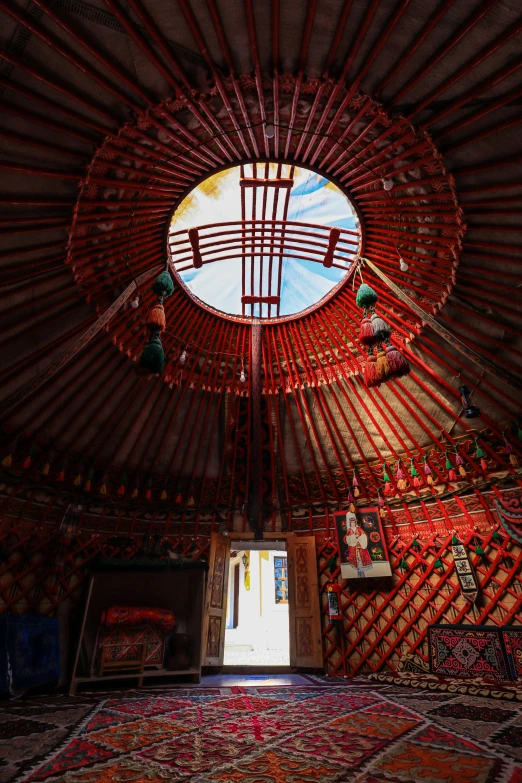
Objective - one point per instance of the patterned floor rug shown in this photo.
(361, 732)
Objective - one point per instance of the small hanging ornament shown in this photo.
(380, 501)
(135, 492)
(78, 479)
(386, 479)
(104, 488)
(366, 331)
(366, 297)
(63, 467)
(164, 495)
(403, 565)
(459, 462)
(401, 482)
(451, 470)
(355, 485)
(497, 537)
(351, 500)
(415, 475)
(8, 459)
(90, 477)
(479, 551)
(30, 456)
(382, 367)
(398, 364)
(428, 473)
(370, 370)
(509, 451)
(439, 565)
(122, 489)
(415, 544)
(380, 329)
(479, 454)
(163, 285)
(152, 359)
(148, 493)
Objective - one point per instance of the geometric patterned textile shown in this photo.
(120, 644)
(475, 686)
(512, 638)
(467, 651)
(360, 732)
(134, 615)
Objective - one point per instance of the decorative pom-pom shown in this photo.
(366, 297)
(397, 362)
(452, 475)
(152, 359)
(462, 471)
(387, 487)
(416, 481)
(380, 329)
(382, 367)
(163, 285)
(366, 333)
(483, 464)
(156, 317)
(370, 371)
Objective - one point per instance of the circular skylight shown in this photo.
(257, 240)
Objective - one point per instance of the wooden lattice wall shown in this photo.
(382, 621)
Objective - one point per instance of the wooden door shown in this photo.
(306, 648)
(216, 601)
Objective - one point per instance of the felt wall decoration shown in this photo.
(464, 651)
(467, 579)
(509, 512)
(362, 547)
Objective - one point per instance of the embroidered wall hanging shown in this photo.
(464, 651)
(467, 579)
(509, 512)
(362, 548)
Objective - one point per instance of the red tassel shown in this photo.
(452, 475)
(148, 494)
(27, 462)
(366, 333)
(121, 490)
(370, 371)
(88, 485)
(417, 482)
(397, 362)
(179, 499)
(156, 319)
(387, 487)
(61, 476)
(483, 464)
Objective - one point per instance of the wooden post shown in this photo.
(255, 511)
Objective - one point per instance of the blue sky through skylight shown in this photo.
(313, 199)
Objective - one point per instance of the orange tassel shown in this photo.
(7, 461)
(156, 317)
(121, 490)
(103, 489)
(88, 485)
(163, 495)
(134, 493)
(513, 459)
(46, 468)
(78, 480)
(462, 470)
(383, 368)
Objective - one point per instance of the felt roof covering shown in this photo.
(113, 111)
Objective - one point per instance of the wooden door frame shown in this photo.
(247, 537)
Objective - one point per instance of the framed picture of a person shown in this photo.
(363, 551)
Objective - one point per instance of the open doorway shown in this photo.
(257, 625)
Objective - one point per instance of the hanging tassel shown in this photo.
(452, 475)
(163, 285)
(152, 359)
(61, 474)
(7, 461)
(123, 486)
(191, 502)
(403, 565)
(78, 480)
(179, 498)
(103, 489)
(366, 297)
(397, 362)
(380, 329)
(135, 493)
(439, 564)
(382, 368)
(449, 467)
(148, 493)
(163, 495)
(459, 462)
(509, 450)
(156, 318)
(483, 464)
(415, 544)
(28, 459)
(355, 485)
(478, 550)
(88, 483)
(454, 540)
(415, 475)
(370, 370)
(366, 332)
(479, 454)
(496, 536)
(428, 473)
(351, 499)
(380, 501)
(401, 478)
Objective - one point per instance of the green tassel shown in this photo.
(152, 359)
(385, 476)
(331, 564)
(403, 565)
(163, 285)
(438, 563)
(455, 541)
(413, 470)
(479, 551)
(479, 453)
(496, 536)
(448, 462)
(415, 544)
(366, 297)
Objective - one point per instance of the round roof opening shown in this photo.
(263, 240)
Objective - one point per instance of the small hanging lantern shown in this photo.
(470, 411)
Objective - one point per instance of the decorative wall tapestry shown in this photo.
(467, 579)
(464, 651)
(362, 547)
(509, 510)
(512, 638)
